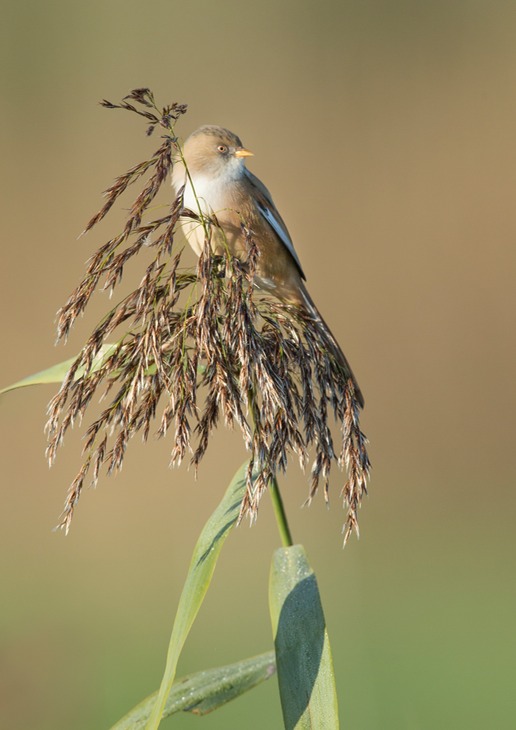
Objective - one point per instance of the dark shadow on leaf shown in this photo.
(299, 646)
(215, 540)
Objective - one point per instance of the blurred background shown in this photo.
(386, 132)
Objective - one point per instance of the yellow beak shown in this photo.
(242, 152)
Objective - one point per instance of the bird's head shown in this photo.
(215, 152)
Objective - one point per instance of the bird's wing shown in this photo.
(271, 215)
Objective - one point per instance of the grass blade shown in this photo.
(199, 576)
(204, 691)
(303, 656)
(57, 373)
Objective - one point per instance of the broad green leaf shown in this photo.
(202, 565)
(303, 657)
(57, 373)
(204, 691)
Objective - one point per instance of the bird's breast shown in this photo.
(215, 197)
(210, 195)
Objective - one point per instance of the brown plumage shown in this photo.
(222, 187)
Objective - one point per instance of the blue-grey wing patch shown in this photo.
(273, 218)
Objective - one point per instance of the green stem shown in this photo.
(277, 502)
(280, 514)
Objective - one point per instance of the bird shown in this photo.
(212, 175)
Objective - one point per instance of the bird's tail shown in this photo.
(331, 342)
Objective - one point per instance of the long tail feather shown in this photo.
(331, 342)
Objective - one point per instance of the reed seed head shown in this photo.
(200, 346)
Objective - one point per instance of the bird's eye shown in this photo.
(222, 148)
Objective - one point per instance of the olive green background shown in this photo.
(386, 132)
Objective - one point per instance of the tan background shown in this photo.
(387, 134)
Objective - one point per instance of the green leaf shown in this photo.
(57, 373)
(303, 656)
(204, 691)
(197, 582)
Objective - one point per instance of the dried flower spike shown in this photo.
(198, 347)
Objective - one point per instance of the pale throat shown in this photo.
(213, 193)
